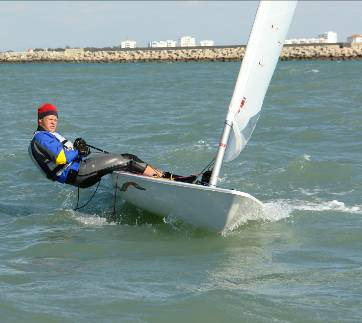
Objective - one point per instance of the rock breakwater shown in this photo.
(222, 53)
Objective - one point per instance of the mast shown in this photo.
(221, 151)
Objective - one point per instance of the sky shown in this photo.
(52, 24)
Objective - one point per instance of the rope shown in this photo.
(94, 193)
(115, 197)
(100, 150)
(208, 166)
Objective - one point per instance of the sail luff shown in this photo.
(261, 56)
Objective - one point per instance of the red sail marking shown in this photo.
(242, 103)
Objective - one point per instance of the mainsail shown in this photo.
(265, 43)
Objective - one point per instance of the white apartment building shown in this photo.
(357, 38)
(162, 43)
(207, 43)
(187, 41)
(171, 43)
(325, 38)
(302, 41)
(328, 37)
(157, 44)
(128, 44)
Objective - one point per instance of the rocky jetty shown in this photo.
(222, 53)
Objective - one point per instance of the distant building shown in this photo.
(128, 44)
(153, 44)
(357, 38)
(187, 41)
(302, 41)
(162, 43)
(328, 37)
(171, 43)
(157, 44)
(207, 43)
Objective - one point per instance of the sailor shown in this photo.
(64, 162)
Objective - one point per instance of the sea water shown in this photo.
(299, 261)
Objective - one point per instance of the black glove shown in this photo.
(82, 147)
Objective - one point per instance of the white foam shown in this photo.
(309, 192)
(333, 205)
(253, 214)
(83, 218)
(276, 210)
(307, 157)
(284, 208)
(342, 193)
(316, 191)
(92, 220)
(175, 223)
(68, 201)
(202, 145)
(89, 219)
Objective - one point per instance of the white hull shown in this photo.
(202, 206)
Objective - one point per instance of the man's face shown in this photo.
(49, 123)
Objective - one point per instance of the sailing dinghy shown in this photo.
(212, 207)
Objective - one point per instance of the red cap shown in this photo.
(47, 109)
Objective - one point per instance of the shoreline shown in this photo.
(338, 51)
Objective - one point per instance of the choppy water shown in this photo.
(300, 262)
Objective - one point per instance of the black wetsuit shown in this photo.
(92, 169)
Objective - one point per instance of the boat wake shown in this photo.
(93, 220)
(282, 209)
(278, 210)
(98, 217)
(289, 206)
(273, 211)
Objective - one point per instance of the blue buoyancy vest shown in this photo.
(53, 155)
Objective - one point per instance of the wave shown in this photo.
(280, 209)
(273, 211)
(313, 71)
(277, 210)
(90, 219)
(202, 145)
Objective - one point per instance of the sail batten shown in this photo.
(265, 43)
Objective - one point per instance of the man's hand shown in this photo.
(82, 147)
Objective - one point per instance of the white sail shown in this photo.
(262, 53)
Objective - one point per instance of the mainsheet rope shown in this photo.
(94, 193)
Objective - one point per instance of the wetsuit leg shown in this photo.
(92, 169)
(135, 165)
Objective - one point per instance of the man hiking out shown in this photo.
(64, 162)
